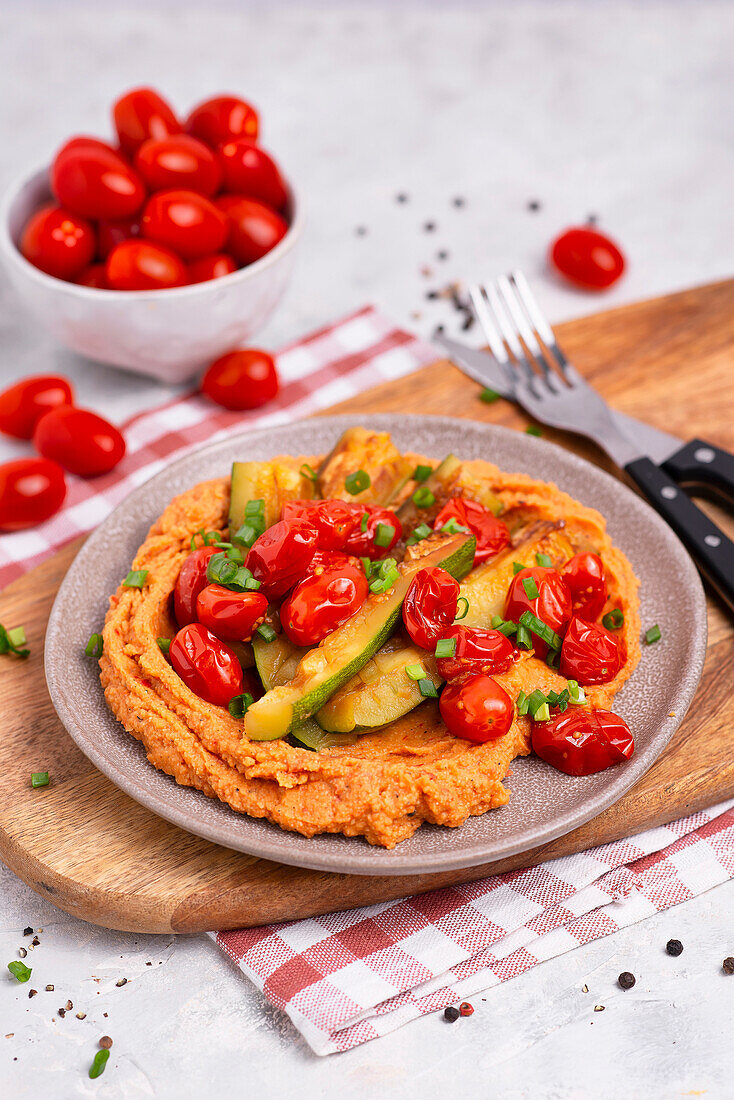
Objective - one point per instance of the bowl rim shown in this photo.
(13, 254)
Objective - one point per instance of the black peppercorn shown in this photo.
(728, 964)
(674, 947)
(451, 1014)
(626, 980)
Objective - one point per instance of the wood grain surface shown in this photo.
(94, 852)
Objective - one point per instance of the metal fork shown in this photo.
(548, 387)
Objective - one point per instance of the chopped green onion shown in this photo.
(531, 588)
(420, 473)
(94, 646)
(136, 578)
(542, 714)
(207, 537)
(541, 629)
(266, 632)
(100, 1061)
(246, 534)
(523, 639)
(536, 700)
(385, 574)
(613, 619)
(239, 704)
(517, 567)
(8, 645)
(40, 779)
(364, 521)
(423, 497)
(422, 531)
(309, 472)
(505, 626)
(427, 689)
(164, 644)
(367, 566)
(532, 429)
(357, 482)
(458, 617)
(653, 635)
(553, 658)
(489, 396)
(453, 527)
(16, 636)
(221, 569)
(558, 699)
(544, 560)
(445, 647)
(384, 534)
(522, 703)
(415, 672)
(20, 971)
(576, 693)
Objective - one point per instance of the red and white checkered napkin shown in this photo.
(330, 365)
(349, 977)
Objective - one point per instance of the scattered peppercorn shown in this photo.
(69, 1006)
(401, 197)
(533, 206)
(599, 1008)
(429, 227)
(32, 992)
(105, 1042)
(584, 989)
(626, 980)
(49, 989)
(451, 1014)
(465, 1009)
(22, 952)
(431, 294)
(81, 1015)
(28, 931)
(458, 201)
(62, 1012)
(728, 964)
(442, 254)
(674, 948)
(122, 981)
(35, 941)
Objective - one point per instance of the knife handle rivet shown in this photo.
(712, 540)
(704, 454)
(669, 492)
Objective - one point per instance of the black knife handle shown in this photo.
(704, 466)
(712, 551)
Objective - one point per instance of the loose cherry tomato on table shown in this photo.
(233, 616)
(249, 170)
(23, 404)
(211, 267)
(333, 519)
(223, 118)
(375, 541)
(143, 265)
(190, 582)
(110, 233)
(430, 606)
(242, 379)
(552, 605)
(142, 114)
(207, 666)
(587, 258)
(584, 575)
(475, 651)
(476, 708)
(31, 491)
(58, 241)
(95, 181)
(254, 228)
(80, 441)
(328, 596)
(93, 276)
(178, 162)
(491, 533)
(281, 556)
(589, 654)
(186, 222)
(581, 742)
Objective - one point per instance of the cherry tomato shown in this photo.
(589, 654)
(584, 575)
(254, 228)
(323, 600)
(249, 170)
(223, 118)
(207, 666)
(581, 742)
(80, 441)
(141, 114)
(93, 276)
(243, 379)
(58, 242)
(211, 267)
(281, 556)
(552, 604)
(178, 162)
(587, 258)
(96, 182)
(476, 708)
(491, 533)
(111, 233)
(31, 490)
(142, 265)
(430, 606)
(476, 651)
(186, 222)
(362, 543)
(230, 615)
(190, 582)
(333, 519)
(23, 404)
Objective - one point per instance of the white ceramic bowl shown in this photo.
(168, 334)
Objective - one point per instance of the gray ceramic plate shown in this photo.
(544, 803)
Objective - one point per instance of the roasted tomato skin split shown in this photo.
(233, 616)
(207, 666)
(281, 556)
(476, 708)
(590, 654)
(191, 581)
(476, 651)
(491, 533)
(430, 606)
(552, 604)
(584, 575)
(339, 524)
(334, 588)
(582, 742)
(362, 543)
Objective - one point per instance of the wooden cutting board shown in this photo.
(91, 850)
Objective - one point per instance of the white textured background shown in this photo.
(618, 109)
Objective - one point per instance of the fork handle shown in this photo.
(703, 466)
(710, 548)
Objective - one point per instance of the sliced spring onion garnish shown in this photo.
(427, 689)
(453, 527)
(445, 647)
(576, 694)
(458, 617)
(422, 531)
(207, 537)
(536, 700)
(653, 635)
(489, 396)
(522, 703)
(364, 521)
(420, 473)
(309, 472)
(423, 497)
(266, 632)
(532, 429)
(40, 779)
(544, 560)
(542, 714)
(505, 626)
(136, 578)
(517, 567)
(94, 646)
(553, 658)
(253, 524)
(385, 573)
(523, 639)
(384, 534)
(357, 482)
(239, 704)
(164, 644)
(19, 970)
(531, 588)
(415, 672)
(367, 566)
(540, 629)
(613, 620)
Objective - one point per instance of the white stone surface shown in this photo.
(617, 109)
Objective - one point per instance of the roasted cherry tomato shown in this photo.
(333, 519)
(491, 533)
(475, 651)
(589, 653)
(584, 575)
(111, 233)
(430, 606)
(143, 265)
(476, 708)
(58, 242)
(80, 441)
(223, 118)
(552, 605)
(96, 182)
(141, 114)
(323, 600)
(363, 544)
(93, 276)
(178, 162)
(211, 267)
(581, 742)
(587, 258)
(207, 666)
(243, 379)
(230, 615)
(23, 405)
(254, 228)
(186, 222)
(31, 490)
(281, 556)
(250, 171)
(191, 581)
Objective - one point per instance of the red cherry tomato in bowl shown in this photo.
(281, 556)
(587, 258)
(111, 232)
(491, 533)
(241, 380)
(190, 582)
(582, 742)
(23, 404)
(475, 651)
(552, 605)
(329, 595)
(94, 277)
(31, 491)
(254, 228)
(233, 616)
(476, 708)
(249, 170)
(186, 222)
(96, 182)
(80, 441)
(430, 606)
(143, 265)
(57, 241)
(206, 665)
(584, 575)
(589, 654)
(142, 114)
(178, 162)
(215, 266)
(223, 118)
